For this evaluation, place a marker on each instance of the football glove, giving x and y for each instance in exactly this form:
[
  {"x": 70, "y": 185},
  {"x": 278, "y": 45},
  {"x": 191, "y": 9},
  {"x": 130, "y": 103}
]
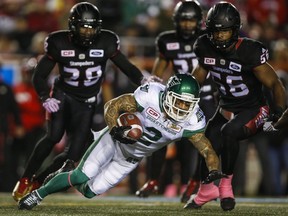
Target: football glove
[
  {"x": 151, "y": 78},
  {"x": 213, "y": 176},
  {"x": 268, "y": 126},
  {"x": 117, "y": 133},
  {"x": 51, "y": 105},
  {"x": 282, "y": 121},
  {"x": 276, "y": 114}
]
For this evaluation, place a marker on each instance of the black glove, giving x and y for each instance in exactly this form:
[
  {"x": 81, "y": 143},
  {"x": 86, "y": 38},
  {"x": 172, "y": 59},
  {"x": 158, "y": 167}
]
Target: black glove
[
  {"x": 214, "y": 175},
  {"x": 278, "y": 111},
  {"x": 117, "y": 133}
]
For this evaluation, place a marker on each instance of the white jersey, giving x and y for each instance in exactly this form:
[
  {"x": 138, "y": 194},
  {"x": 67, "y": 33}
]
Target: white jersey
[
  {"x": 158, "y": 130},
  {"x": 107, "y": 161}
]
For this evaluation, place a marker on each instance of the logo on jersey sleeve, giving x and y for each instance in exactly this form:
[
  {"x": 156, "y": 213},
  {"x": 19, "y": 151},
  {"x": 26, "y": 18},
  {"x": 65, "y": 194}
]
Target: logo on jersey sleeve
[
  {"x": 235, "y": 67},
  {"x": 209, "y": 61},
  {"x": 68, "y": 53},
  {"x": 96, "y": 53},
  {"x": 199, "y": 115},
  {"x": 150, "y": 111},
  {"x": 173, "y": 46}
]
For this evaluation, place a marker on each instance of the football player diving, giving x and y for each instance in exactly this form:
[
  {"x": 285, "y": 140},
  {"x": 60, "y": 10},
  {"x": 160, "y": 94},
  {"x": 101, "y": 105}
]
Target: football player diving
[{"x": 167, "y": 113}]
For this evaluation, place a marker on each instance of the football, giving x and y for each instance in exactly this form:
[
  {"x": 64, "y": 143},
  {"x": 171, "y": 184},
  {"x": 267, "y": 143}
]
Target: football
[{"x": 130, "y": 119}]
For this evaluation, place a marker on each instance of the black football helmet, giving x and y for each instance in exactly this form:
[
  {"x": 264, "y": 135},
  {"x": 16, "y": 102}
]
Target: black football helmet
[
  {"x": 185, "y": 88},
  {"x": 187, "y": 10},
  {"x": 85, "y": 15},
  {"x": 223, "y": 16}
]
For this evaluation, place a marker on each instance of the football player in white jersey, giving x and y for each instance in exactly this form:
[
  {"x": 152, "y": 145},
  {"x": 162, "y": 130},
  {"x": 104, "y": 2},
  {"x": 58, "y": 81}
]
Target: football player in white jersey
[{"x": 167, "y": 113}]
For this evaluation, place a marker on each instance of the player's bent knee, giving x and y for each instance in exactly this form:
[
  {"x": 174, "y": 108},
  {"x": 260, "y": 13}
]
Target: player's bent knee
[
  {"x": 232, "y": 130},
  {"x": 88, "y": 193},
  {"x": 78, "y": 177},
  {"x": 85, "y": 190}
]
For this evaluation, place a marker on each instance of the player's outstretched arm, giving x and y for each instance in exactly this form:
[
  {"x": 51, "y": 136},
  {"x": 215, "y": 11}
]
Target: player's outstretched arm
[
  {"x": 203, "y": 145},
  {"x": 114, "y": 107}
]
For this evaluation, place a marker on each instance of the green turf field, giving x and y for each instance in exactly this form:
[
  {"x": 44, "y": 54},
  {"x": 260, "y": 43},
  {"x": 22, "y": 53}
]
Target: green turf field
[{"x": 74, "y": 204}]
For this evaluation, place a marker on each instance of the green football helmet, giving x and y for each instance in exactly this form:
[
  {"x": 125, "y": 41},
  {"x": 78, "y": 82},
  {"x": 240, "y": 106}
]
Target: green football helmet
[{"x": 181, "y": 96}]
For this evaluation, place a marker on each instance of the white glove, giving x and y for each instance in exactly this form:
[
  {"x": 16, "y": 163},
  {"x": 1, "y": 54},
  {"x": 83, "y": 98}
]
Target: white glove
[
  {"x": 268, "y": 126},
  {"x": 151, "y": 78},
  {"x": 51, "y": 105}
]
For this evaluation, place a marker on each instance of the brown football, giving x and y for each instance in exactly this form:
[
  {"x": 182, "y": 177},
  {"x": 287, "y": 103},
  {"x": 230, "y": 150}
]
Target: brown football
[{"x": 130, "y": 119}]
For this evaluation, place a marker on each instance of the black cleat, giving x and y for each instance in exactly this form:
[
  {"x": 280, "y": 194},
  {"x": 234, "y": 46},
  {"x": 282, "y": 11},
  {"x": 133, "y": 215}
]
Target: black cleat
[
  {"x": 191, "y": 203},
  {"x": 227, "y": 204},
  {"x": 148, "y": 188},
  {"x": 29, "y": 201},
  {"x": 191, "y": 188},
  {"x": 67, "y": 166},
  {"x": 213, "y": 176}
]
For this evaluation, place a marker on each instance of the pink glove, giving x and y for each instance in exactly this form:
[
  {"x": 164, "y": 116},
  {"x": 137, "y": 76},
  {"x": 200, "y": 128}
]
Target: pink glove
[{"x": 51, "y": 105}]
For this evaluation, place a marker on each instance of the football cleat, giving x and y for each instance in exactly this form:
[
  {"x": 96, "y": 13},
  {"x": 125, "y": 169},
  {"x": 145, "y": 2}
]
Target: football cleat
[
  {"x": 148, "y": 188},
  {"x": 30, "y": 201},
  {"x": 35, "y": 184},
  {"x": 191, "y": 188},
  {"x": 24, "y": 186},
  {"x": 227, "y": 200},
  {"x": 67, "y": 166},
  {"x": 213, "y": 176},
  {"x": 191, "y": 203},
  {"x": 227, "y": 204},
  {"x": 205, "y": 194}
]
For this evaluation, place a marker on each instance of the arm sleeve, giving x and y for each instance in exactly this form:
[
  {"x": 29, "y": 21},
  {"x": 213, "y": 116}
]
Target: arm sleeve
[
  {"x": 41, "y": 73},
  {"x": 131, "y": 71}
]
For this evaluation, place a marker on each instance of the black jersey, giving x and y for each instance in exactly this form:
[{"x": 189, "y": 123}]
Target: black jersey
[
  {"x": 177, "y": 50},
  {"x": 233, "y": 72},
  {"x": 81, "y": 70},
  {"x": 180, "y": 52}
]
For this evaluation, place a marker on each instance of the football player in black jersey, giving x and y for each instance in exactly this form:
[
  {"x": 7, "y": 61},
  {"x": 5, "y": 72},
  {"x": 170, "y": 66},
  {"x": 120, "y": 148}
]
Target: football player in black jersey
[
  {"x": 240, "y": 69},
  {"x": 176, "y": 47},
  {"x": 81, "y": 54}
]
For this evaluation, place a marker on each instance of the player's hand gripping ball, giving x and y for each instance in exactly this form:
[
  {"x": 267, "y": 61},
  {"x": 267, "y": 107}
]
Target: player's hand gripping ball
[{"x": 130, "y": 119}]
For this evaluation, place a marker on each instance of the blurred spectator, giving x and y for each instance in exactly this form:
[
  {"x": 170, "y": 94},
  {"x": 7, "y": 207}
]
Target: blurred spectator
[
  {"x": 33, "y": 119},
  {"x": 9, "y": 114},
  {"x": 240, "y": 179},
  {"x": 39, "y": 18},
  {"x": 36, "y": 47},
  {"x": 267, "y": 11},
  {"x": 8, "y": 45},
  {"x": 278, "y": 148}
]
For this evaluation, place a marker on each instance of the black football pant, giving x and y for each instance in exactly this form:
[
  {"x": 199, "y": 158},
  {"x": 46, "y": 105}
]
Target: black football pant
[
  {"x": 74, "y": 118},
  {"x": 225, "y": 136}
]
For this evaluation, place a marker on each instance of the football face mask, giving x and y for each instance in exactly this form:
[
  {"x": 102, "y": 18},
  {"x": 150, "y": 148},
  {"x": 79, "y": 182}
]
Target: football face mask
[{"x": 181, "y": 97}]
